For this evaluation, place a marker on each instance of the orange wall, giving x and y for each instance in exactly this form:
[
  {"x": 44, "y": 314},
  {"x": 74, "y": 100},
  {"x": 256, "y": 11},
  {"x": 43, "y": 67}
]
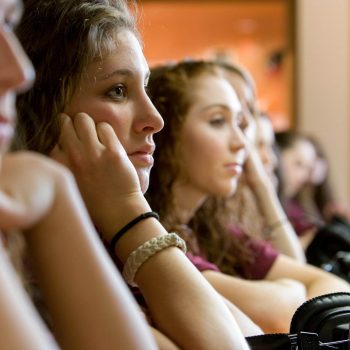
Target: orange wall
[{"x": 247, "y": 32}]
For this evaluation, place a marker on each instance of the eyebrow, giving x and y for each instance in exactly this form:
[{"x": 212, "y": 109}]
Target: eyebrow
[
  {"x": 216, "y": 105},
  {"x": 122, "y": 72}
]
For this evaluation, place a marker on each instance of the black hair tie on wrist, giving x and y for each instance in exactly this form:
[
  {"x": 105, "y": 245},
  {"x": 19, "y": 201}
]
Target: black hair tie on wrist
[{"x": 129, "y": 225}]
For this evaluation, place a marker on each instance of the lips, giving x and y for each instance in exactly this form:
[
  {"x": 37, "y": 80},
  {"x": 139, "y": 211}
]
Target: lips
[
  {"x": 234, "y": 168},
  {"x": 142, "y": 156}
]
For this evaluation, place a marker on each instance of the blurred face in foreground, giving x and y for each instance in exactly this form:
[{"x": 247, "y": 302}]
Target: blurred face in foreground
[{"x": 16, "y": 71}]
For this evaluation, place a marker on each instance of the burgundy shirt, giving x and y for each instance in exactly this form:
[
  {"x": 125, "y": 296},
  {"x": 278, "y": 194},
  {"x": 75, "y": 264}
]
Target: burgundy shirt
[
  {"x": 263, "y": 257},
  {"x": 299, "y": 219}
]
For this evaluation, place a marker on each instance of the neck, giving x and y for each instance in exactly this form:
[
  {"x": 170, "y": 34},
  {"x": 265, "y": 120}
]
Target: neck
[{"x": 187, "y": 201}]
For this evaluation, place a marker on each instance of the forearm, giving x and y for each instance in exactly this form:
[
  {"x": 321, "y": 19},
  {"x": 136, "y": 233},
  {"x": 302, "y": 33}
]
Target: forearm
[
  {"x": 315, "y": 280},
  {"x": 327, "y": 284},
  {"x": 272, "y": 313},
  {"x": 247, "y": 326},
  {"x": 88, "y": 301},
  {"x": 183, "y": 305},
  {"x": 283, "y": 236},
  {"x": 21, "y": 327}
]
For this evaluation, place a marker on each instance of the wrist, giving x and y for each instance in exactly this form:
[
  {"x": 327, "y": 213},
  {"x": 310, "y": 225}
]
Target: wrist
[{"x": 121, "y": 213}]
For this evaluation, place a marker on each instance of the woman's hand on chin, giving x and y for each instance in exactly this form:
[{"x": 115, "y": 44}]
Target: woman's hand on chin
[{"x": 106, "y": 178}]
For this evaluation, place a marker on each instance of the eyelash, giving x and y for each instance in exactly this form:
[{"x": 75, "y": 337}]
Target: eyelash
[
  {"x": 111, "y": 93},
  {"x": 217, "y": 121}
]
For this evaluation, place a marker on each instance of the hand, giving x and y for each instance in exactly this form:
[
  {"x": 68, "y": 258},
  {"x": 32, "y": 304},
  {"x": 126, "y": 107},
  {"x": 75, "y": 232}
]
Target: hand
[
  {"x": 106, "y": 178},
  {"x": 27, "y": 189},
  {"x": 254, "y": 169}
]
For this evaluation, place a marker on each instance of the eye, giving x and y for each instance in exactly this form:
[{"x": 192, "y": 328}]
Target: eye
[
  {"x": 118, "y": 92},
  {"x": 217, "y": 120}
]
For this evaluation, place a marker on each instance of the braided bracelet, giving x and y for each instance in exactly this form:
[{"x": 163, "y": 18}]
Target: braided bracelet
[
  {"x": 129, "y": 225},
  {"x": 139, "y": 256}
]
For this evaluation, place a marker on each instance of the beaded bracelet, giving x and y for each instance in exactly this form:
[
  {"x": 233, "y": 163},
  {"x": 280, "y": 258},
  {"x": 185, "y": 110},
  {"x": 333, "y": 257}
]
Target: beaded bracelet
[
  {"x": 140, "y": 255},
  {"x": 129, "y": 225}
]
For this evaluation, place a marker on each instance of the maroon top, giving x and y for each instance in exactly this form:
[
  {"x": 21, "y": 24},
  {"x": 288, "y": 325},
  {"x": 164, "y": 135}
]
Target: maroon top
[
  {"x": 263, "y": 257},
  {"x": 298, "y": 217}
]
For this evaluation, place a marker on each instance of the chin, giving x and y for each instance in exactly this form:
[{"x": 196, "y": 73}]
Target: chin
[
  {"x": 143, "y": 175},
  {"x": 227, "y": 191}
]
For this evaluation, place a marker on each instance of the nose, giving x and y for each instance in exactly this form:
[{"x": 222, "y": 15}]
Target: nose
[
  {"x": 149, "y": 120},
  {"x": 268, "y": 157},
  {"x": 237, "y": 140},
  {"x": 17, "y": 73}
]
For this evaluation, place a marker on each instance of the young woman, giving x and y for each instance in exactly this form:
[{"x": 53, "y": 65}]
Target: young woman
[
  {"x": 256, "y": 204},
  {"x": 89, "y": 110},
  {"x": 88, "y": 300},
  {"x": 317, "y": 195},
  {"x": 297, "y": 158},
  {"x": 201, "y": 154}
]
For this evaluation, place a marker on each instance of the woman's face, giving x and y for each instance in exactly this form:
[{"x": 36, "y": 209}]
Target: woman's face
[
  {"x": 297, "y": 162},
  {"x": 265, "y": 140},
  {"x": 212, "y": 143},
  {"x": 16, "y": 71},
  {"x": 113, "y": 91}
]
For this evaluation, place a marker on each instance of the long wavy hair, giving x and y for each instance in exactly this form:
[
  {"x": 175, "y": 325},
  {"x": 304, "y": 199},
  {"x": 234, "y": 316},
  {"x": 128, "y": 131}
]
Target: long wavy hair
[
  {"x": 170, "y": 89},
  {"x": 62, "y": 37}
]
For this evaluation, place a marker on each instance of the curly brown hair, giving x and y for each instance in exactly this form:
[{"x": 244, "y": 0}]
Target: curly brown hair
[
  {"x": 62, "y": 37},
  {"x": 171, "y": 91}
]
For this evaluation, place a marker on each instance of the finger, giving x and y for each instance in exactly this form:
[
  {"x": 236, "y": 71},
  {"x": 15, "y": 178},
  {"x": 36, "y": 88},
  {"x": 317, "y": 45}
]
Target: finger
[
  {"x": 86, "y": 129},
  {"x": 108, "y": 137},
  {"x": 68, "y": 138}
]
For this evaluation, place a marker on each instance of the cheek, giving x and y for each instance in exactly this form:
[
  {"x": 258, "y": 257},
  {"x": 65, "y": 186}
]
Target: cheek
[
  {"x": 200, "y": 150},
  {"x": 102, "y": 112}
]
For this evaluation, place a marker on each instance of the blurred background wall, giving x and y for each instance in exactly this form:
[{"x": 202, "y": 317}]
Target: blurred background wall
[
  {"x": 297, "y": 51},
  {"x": 323, "y": 77}
]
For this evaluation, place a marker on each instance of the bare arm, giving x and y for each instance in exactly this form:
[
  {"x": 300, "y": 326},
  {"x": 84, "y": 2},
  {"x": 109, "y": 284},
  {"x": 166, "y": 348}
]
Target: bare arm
[
  {"x": 248, "y": 327},
  {"x": 21, "y": 327},
  {"x": 183, "y": 305},
  {"x": 270, "y": 305},
  {"x": 283, "y": 236},
  {"x": 89, "y": 303},
  {"x": 315, "y": 280}
]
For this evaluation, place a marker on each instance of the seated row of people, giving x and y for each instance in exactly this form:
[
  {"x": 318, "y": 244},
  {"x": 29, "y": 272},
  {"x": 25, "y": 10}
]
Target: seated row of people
[{"x": 88, "y": 110}]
